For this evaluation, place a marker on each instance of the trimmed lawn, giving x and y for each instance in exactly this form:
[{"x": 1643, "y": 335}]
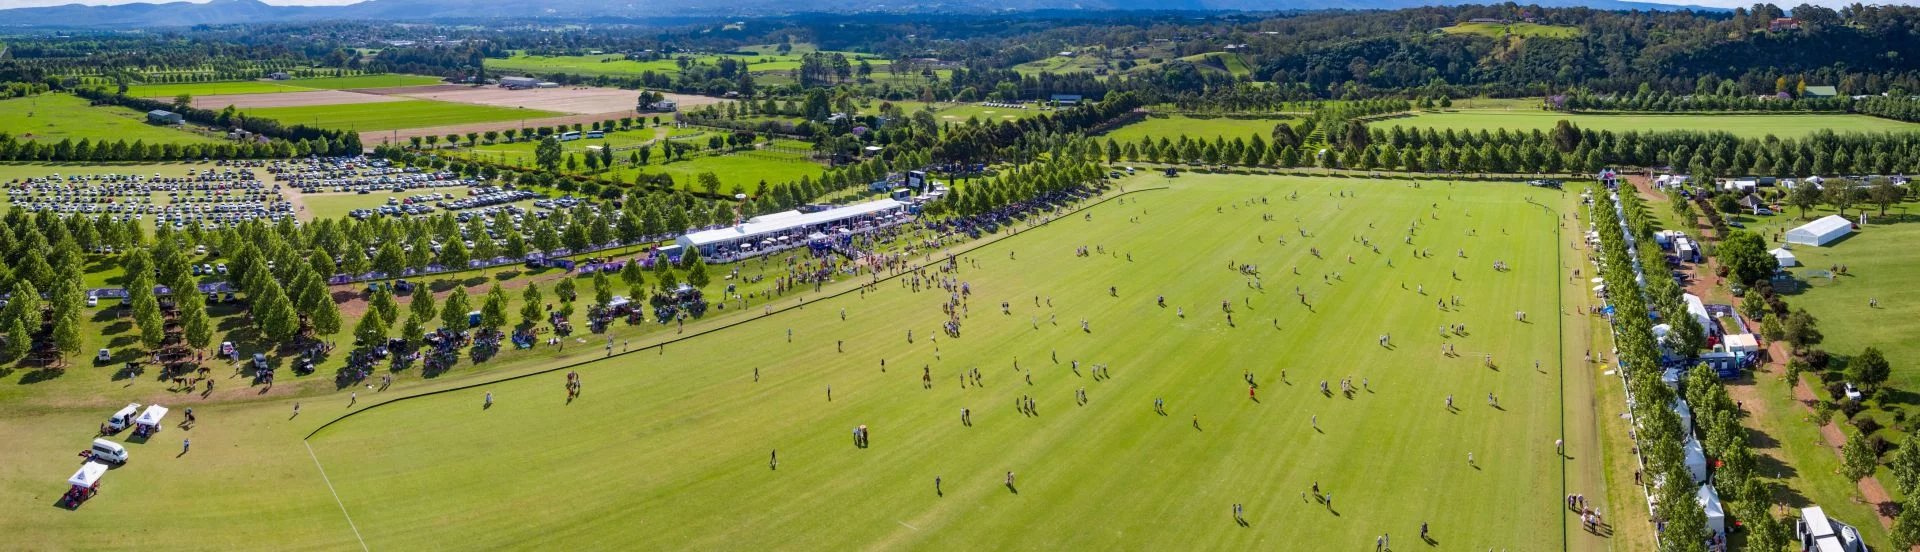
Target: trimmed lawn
[
  {"x": 271, "y": 86},
  {"x": 684, "y": 433},
  {"x": 747, "y": 168},
  {"x": 51, "y": 118},
  {"x": 393, "y": 115},
  {"x": 1207, "y": 128},
  {"x": 213, "y": 88},
  {"x": 1528, "y": 118},
  {"x": 1112, "y": 459}
]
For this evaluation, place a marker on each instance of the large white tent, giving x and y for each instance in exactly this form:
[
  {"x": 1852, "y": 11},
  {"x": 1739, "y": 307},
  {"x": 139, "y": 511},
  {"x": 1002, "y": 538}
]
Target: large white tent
[
  {"x": 1785, "y": 257},
  {"x": 1820, "y": 232},
  {"x": 1709, "y": 500}
]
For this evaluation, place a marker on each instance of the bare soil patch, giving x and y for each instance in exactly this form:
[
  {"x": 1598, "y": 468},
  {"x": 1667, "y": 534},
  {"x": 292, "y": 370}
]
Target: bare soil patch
[{"x": 581, "y": 100}]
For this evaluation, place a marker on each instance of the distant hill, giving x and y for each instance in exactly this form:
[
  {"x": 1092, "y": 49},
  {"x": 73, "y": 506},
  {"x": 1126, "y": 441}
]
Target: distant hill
[{"x": 175, "y": 14}]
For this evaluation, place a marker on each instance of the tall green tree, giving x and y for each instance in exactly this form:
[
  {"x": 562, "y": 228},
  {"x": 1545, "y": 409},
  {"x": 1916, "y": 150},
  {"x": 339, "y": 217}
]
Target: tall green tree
[{"x": 453, "y": 314}]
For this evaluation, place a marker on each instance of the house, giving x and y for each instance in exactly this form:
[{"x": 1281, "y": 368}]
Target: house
[
  {"x": 1821, "y": 232},
  {"x": 279, "y": 75},
  {"x": 519, "y": 83},
  {"x": 1783, "y": 24},
  {"x": 1066, "y": 99},
  {"x": 164, "y": 117},
  {"x": 1821, "y": 92}
]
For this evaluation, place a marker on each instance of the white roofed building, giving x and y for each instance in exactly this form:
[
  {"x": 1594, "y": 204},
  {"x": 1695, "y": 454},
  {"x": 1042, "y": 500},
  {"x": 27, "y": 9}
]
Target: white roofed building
[{"x": 787, "y": 229}]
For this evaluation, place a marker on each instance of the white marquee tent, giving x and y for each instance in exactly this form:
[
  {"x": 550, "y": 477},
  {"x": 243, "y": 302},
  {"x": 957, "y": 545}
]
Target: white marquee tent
[
  {"x": 1785, "y": 257},
  {"x": 1709, "y": 499},
  {"x": 1820, "y": 232},
  {"x": 1696, "y": 460}
]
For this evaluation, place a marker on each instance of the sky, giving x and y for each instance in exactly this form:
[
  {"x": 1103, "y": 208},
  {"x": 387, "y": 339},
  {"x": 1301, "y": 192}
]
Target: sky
[{"x": 1716, "y": 3}]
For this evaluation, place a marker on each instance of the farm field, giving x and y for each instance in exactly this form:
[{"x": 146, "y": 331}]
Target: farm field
[
  {"x": 1174, "y": 126},
  {"x": 746, "y": 169},
  {"x": 617, "y": 65},
  {"x": 394, "y": 115},
  {"x": 1523, "y": 29},
  {"x": 692, "y": 429},
  {"x": 1748, "y": 126},
  {"x": 270, "y": 87},
  {"x": 56, "y": 117}
]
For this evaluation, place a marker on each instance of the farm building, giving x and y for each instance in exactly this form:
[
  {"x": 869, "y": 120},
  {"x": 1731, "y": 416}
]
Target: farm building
[
  {"x": 164, "y": 117},
  {"x": 1066, "y": 99},
  {"x": 519, "y": 83},
  {"x": 1820, "y": 232},
  {"x": 777, "y": 231},
  {"x": 1821, "y": 92}
]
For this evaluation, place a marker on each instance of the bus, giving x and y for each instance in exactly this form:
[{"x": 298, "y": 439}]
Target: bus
[{"x": 570, "y": 136}]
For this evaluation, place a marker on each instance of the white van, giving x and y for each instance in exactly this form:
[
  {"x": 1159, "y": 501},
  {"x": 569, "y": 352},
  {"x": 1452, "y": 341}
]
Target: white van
[
  {"x": 123, "y": 418},
  {"x": 107, "y": 452}
]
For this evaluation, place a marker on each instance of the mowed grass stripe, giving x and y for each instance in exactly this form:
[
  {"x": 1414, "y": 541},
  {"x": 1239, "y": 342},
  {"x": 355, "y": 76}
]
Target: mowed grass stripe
[
  {"x": 673, "y": 447},
  {"x": 393, "y": 115}
]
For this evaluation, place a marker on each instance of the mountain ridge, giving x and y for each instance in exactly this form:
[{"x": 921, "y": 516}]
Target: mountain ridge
[{"x": 219, "y": 12}]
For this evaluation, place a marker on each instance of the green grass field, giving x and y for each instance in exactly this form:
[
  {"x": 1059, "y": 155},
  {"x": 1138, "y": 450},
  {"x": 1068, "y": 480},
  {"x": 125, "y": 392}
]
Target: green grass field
[
  {"x": 678, "y": 440},
  {"x": 1749, "y": 126},
  {"x": 270, "y": 87},
  {"x": 692, "y": 429},
  {"x": 54, "y": 117},
  {"x": 394, "y": 115},
  {"x": 1224, "y": 61},
  {"x": 747, "y": 169},
  {"x": 1522, "y": 29},
  {"x": 1208, "y": 128},
  {"x": 1879, "y": 266}
]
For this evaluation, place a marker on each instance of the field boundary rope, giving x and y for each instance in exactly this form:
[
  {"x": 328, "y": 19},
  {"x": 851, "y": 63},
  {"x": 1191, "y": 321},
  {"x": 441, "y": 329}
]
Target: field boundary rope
[{"x": 974, "y": 247}]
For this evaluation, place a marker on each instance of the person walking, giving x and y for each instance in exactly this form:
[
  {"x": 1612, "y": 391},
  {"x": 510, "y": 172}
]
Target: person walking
[
  {"x": 185, "y": 444},
  {"x": 489, "y": 401},
  {"x": 773, "y": 459}
]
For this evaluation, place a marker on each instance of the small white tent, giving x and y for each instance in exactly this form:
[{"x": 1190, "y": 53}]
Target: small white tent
[
  {"x": 1696, "y": 460},
  {"x": 89, "y": 475},
  {"x": 1785, "y": 257},
  {"x": 1820, "y": 232},
  {"x": 1709, "y": 500}
]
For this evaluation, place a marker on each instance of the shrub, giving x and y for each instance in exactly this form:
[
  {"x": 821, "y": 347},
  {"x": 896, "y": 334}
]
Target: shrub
[
  {"x": 1850, "y": 409},
  {"x": 1866, "y": 424}
]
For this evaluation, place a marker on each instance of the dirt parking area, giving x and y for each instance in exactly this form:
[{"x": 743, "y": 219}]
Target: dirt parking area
[
  {"x": 578, "y": 100},
  {"x": 290, "y": 99}
]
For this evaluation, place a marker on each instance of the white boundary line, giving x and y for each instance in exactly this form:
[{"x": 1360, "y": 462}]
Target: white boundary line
[{"x": 336, "y": 496}]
